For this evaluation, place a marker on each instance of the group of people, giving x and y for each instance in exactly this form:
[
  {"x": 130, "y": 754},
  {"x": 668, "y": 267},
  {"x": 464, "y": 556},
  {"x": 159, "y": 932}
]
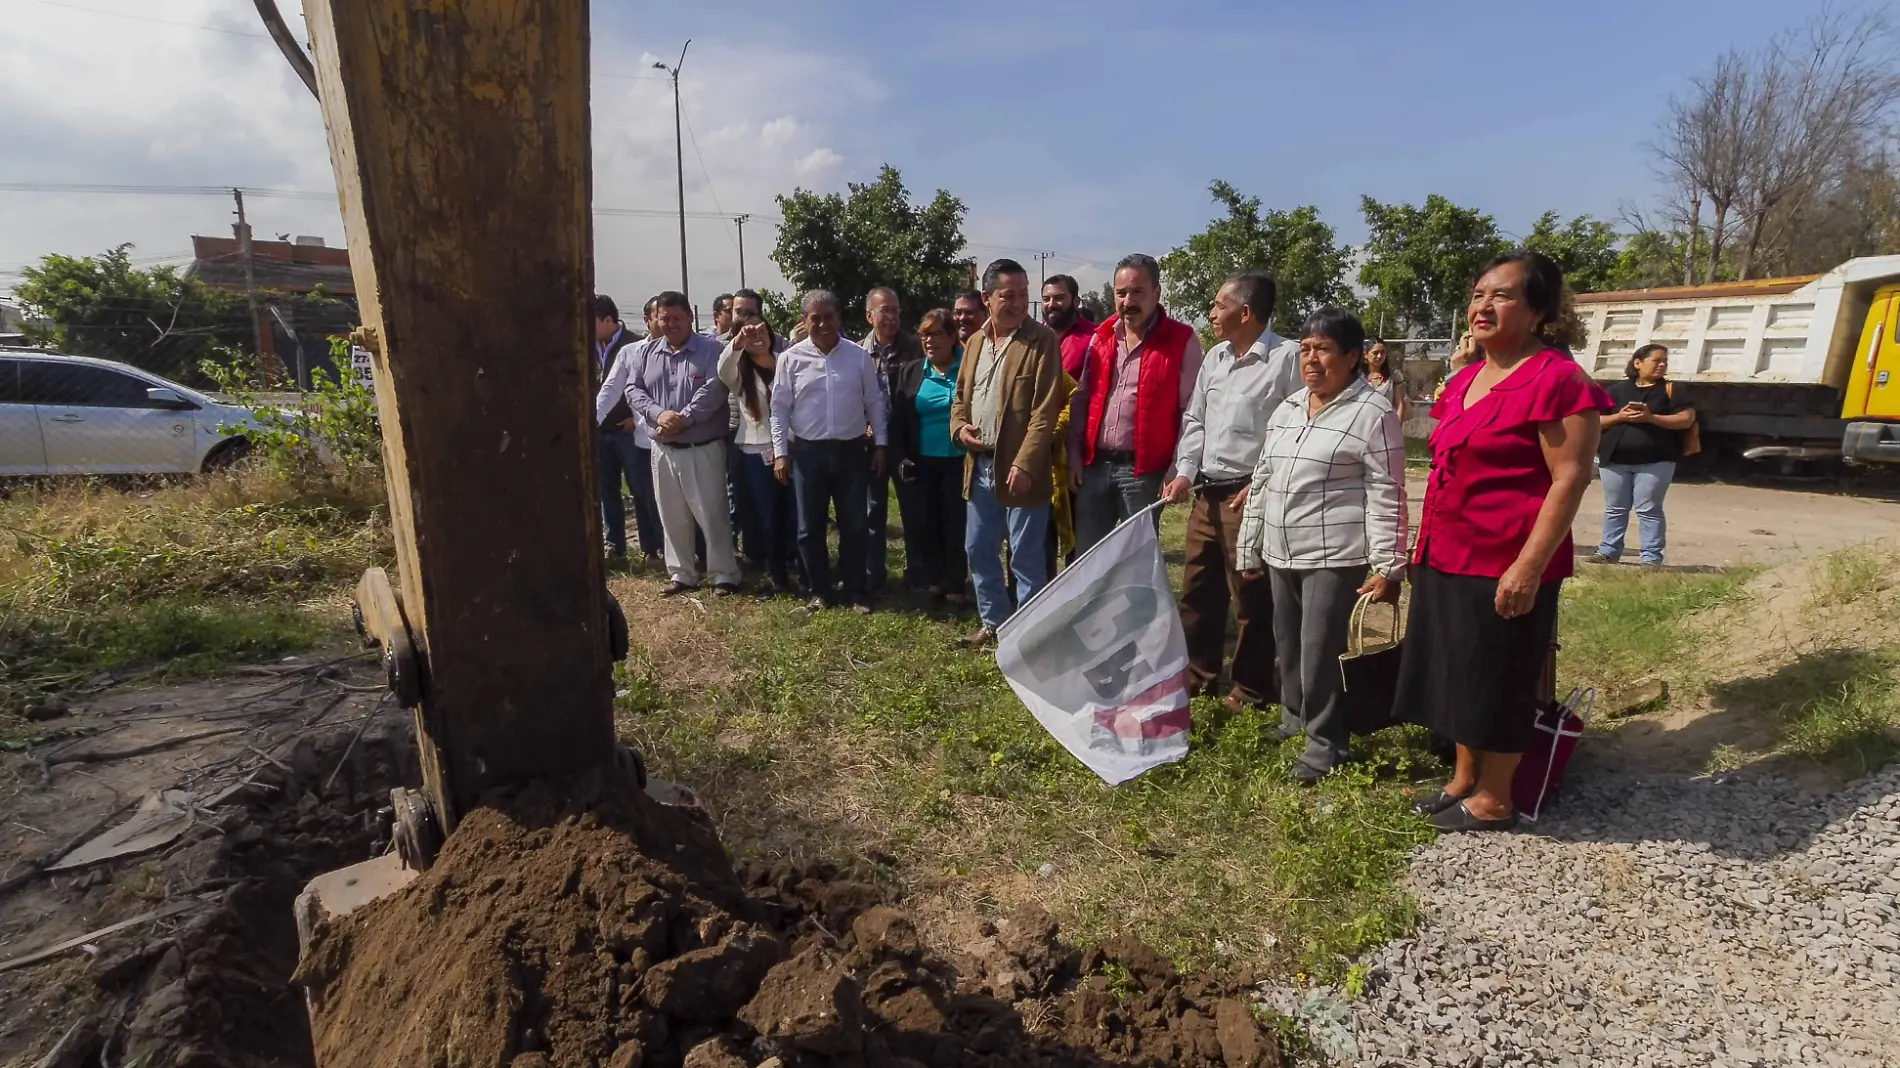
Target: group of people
[{"x": 1015, "y": 444}]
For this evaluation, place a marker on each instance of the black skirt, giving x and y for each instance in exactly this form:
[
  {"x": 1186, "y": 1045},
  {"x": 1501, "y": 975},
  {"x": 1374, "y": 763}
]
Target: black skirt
[{"x": 1468, "y": 673}]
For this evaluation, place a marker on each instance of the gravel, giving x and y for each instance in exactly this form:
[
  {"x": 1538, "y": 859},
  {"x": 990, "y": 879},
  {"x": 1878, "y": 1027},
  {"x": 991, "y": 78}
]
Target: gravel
[{"x": 1729, "y": 922}]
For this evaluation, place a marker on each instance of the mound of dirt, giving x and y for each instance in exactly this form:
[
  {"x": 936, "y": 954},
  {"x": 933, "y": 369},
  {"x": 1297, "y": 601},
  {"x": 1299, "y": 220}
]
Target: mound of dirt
[{"x": 587, "y": 925}]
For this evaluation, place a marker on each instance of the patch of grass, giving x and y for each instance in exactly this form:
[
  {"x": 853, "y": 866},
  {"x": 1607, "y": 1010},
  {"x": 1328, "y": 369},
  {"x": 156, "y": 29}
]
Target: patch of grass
[
  {"x": 1618, "y": 625},
  {"x": 1857, "y": 727},
  {"x": 174, "y": 578},
  {"x": 878, "y": 736},
  {"x": 1841, "y": 578}
]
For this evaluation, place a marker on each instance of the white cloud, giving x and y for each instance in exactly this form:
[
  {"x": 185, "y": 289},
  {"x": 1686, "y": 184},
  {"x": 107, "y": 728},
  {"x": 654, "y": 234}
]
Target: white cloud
[
  {"x": 818, "y": 159},
  {"x": 98, "y": 99}
]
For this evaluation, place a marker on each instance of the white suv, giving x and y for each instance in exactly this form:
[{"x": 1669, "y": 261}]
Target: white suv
[{"x": 71, "y": 415}]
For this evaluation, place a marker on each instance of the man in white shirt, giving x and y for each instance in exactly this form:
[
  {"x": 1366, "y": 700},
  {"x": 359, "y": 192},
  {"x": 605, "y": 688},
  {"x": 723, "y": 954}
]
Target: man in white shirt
[
  {"x": 825, "y": 395},
  {"x": 1239, "y": 385}
]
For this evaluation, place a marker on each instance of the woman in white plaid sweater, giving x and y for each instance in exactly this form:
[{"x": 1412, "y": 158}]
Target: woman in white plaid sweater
[{"x": 1325, "y": 516}]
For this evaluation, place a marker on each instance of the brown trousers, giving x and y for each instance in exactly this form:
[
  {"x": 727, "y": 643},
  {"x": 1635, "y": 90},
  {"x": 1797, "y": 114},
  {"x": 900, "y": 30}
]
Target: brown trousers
[{"x": 1209, "y": 586}]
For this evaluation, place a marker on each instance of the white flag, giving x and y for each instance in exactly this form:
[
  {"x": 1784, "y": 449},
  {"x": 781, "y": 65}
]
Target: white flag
[{"x": 1100, "y": 658}]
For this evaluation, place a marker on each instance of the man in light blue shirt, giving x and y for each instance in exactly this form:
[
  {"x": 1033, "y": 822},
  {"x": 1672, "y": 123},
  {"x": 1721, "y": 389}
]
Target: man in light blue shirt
[
  {"x": 825, "y": 396},
  {"x": 671, "y": 382}
]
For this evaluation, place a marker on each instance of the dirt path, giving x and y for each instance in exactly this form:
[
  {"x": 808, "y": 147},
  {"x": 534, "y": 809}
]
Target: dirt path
[{"x": 1713, "y": 524}]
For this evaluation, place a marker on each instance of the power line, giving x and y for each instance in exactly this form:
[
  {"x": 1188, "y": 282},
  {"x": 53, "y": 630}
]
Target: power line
[
  {"x": 219, "y": 191},
  {"x": 155, "y": 21},
  {"x": 714, "y": 193}
]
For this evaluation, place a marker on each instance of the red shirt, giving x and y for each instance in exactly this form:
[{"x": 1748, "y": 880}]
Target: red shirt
[
  {"x": 1488, "y": 478},
  {"x": 1075, "y": 346}
]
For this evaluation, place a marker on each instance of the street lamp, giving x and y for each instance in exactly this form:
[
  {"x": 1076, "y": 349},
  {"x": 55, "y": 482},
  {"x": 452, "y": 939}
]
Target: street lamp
[{"x": 679, "y": 158}]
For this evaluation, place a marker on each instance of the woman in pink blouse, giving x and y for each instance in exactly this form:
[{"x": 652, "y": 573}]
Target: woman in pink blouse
[{"x": 1510, "y": 461}]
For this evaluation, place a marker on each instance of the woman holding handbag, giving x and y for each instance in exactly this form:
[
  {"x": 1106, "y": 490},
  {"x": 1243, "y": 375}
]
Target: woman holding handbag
[
  {"x": 1510, "y": 461},
  {"x": 1643, "y": 439},
  {"x": 1326, "y": 505}
]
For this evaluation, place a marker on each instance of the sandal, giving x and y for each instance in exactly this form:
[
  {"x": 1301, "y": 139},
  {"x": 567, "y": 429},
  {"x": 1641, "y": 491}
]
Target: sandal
[
  {"x": 1432, "y": 806},
  {"x": 1459, "y": 818}
]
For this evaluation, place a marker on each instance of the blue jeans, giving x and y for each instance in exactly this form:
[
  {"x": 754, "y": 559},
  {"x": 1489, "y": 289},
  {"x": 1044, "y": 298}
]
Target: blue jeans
[
  {"x": 988, "y": 522},
  {"x": 617, "y": 457},
  {"x": 1110, "y": 493},
  {"x": 1640, "y": 486},
  {"x": 771, "y": 519},
  {"x": 825, "y": 475}
]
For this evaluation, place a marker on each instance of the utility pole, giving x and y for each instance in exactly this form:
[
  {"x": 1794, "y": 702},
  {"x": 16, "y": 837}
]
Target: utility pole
[
  {"x": 1044, "y": 257},
  {"x": 679, "y": 153},
  {"x": 243, "y": 232},
  {"x": 740, "y": 222}
]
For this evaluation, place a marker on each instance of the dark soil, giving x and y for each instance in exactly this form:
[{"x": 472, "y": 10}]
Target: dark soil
[
  {"x": 587, "y": 925},
  {"x": 215, "y": 991}
]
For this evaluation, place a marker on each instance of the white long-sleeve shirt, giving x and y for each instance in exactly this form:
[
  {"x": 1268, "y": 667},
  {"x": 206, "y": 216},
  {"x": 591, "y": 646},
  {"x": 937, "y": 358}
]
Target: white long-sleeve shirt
[
  {"x": 1225, "y": 423},
  {"x": 818, "y": 396},
  {"x": 1329, "y": 490},
  {"x": 753, "y": 434}
]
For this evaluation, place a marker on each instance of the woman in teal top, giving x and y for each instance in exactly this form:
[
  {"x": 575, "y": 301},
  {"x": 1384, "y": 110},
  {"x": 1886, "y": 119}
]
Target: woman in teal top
[{"x": 929, "y": 464}]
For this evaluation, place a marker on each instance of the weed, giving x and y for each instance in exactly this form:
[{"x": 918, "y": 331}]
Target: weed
[
  {"x": 1121, "y": 982},
  {"x": 1619, "y": 624},
  {"x": 1356, "y": 980},
  {"x": 1841, "y": 578},
  {"x": 1854, "y": 726}
]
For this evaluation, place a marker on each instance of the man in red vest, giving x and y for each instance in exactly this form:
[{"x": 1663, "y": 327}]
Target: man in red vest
[{"x": 1125, "y": 419}]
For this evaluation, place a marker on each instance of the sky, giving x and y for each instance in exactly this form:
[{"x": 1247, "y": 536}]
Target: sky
[{"x": 1083, "y": 130}]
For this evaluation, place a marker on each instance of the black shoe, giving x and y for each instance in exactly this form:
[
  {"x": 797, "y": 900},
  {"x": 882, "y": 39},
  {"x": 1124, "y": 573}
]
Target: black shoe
[
  {"x": 1307, "y": 775},
  {"x": 1459, "y": 818},
  {"x": 862, "y": 606},
  {"x": 1599, "y": 558},
  {"x": 725, "y": 589},
  {"x": 675, "y": 588},
  {"x": 1432, "y": 806}
]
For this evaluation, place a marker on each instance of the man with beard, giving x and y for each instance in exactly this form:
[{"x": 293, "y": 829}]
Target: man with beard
[
  {"x": 1062, "y": 311},
  {"x": 1126, "y": 417}
]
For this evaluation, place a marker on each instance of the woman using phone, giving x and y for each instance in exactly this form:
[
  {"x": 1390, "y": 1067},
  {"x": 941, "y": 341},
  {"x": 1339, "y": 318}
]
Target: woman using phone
[
  {"x": 1642, "y": 441},
  {"x": 770, "y": 533}
]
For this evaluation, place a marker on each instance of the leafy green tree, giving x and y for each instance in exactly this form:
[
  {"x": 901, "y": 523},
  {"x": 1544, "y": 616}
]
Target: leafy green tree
[
  {"x": 1098, "y": 305},
  {"x": 1301, "y": 252},
  {"x": 873, "y": 236},
  {"x": 1650, "y": 258},
  {"x": 1420, "y": 262},
  {"x": 156, "y": 319},
  {"x": 1584, "y": 247}
]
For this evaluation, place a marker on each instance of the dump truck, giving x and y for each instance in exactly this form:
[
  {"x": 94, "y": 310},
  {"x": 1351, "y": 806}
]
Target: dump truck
[{"x": 1780, "y": 370}]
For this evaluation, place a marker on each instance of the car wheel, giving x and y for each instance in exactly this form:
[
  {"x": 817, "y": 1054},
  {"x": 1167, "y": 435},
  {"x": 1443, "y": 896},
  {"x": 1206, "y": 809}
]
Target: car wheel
[{"x": 225, "y": 454}]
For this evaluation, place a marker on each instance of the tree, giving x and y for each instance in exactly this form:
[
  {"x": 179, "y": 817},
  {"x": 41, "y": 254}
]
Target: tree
[
  {"x": 1300, "y": 251},
  {"x": 1821, "y": 92},
  {"x": 1584, "y": 247},
  {"x": 1420, "y": 263},
  {"x": 873, "y": 236},
  {"x": 156, "y": 319},
  {"x": 1098, "y": 306},
  {"x": 1650, "y": 258}
]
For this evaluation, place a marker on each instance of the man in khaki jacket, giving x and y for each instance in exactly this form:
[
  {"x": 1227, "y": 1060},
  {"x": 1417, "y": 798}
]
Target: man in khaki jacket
[{"x": 1010, "y": 392}]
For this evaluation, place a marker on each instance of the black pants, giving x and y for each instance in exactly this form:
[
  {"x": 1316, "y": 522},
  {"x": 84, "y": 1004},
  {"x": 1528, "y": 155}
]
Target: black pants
[
  {"x": 877, "y": 517},
  {"x": 827, "y": 475},
  {"x": 934, "y": 511}
]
